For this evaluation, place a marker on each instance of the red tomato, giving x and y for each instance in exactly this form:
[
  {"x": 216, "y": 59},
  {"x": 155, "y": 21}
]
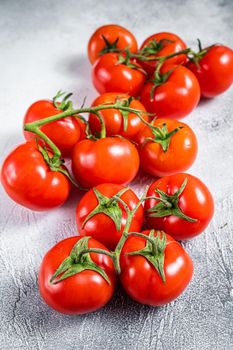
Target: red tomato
[
  {"x": 142, "y": 281},
  {"x": 195, "y": 201},
  {"x": 28, "y": 180},
  {"x": 117, "y": 38},
  {"x": 166, "y": 155},
  {"x": 83, "y": 292},
  {"x": 109, "y": 75},
  {"x": 103, "y": 225},
  {"x": 65, "y": 133},
  {"x": 214, "y": 70},
  {"x": 176, "y": 97},
  {"x": 162, "y": 44},
  {"x": 111, "y": 159},
  {"x": 114, "y": 120}
]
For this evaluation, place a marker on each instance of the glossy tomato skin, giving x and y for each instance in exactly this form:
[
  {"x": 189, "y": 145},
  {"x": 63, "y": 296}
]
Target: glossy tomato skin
[
  {"x": 180, "y": 155},
  {"x": 176, "y": 97},
  {"x": 108, "y": 75},
  {"x": 101, "y": 227},
  {"x": 195, "y": 201},
  {"x": 111, "y": 159},
  {"x": 113, "y": 118},
  {"x": 176, "y": 44},
  {"x": 28, "y": 180},
  {"x": 65, "y": 133},
  {"x": 111, "y": 32},
  {"x": 81, "y": 293},
  {"x": 141, "y": 280},
  {"x": 214, "y": 70}
]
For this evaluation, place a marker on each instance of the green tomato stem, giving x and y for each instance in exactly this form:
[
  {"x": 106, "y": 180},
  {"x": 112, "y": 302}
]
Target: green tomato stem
[
  {"x": 102, "y": 125},
  {"x": 161, "y": 58},
  {"x": 125, "y": 233},
  {"x": 93, "y": 250},
  {"x": 138, "y": 234},
  {"x": 32, "y": 127},
  {"x": 70, "y": 112}
]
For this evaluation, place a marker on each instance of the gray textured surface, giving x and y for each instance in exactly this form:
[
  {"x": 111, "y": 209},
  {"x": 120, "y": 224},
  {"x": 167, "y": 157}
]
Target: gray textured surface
[{"x": 43, "y": 49}]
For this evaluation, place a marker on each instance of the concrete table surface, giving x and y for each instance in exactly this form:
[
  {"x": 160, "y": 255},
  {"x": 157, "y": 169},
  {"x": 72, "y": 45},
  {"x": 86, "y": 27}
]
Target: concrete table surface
[{"x": 43, "y": 49}]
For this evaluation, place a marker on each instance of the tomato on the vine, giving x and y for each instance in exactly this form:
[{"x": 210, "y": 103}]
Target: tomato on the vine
[
  {"x": 175, "y": 96},
  {"x": 114, "y": 72},
  {"x": 65, "y": 133},
  {"x": 213, "y": 68},
  {"x": 181, "y": 205},
  {"x": 109, "y": 38},
  {"x": 162, "y": 44},
  {"x": 104, "y": 219},
  {"x": 126, "y": 124},
  {"x": 110, "y": 159},
  {"x": 76, "y": 284},
  {"x": 154, "y": 275},
  {"x": 168, "y": 147},
  {"x": 29, "y": 181}
]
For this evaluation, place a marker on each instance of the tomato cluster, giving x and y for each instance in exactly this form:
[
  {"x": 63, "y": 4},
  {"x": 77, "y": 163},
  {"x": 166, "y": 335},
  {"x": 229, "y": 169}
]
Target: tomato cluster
[{"x": 132, "y": 124}]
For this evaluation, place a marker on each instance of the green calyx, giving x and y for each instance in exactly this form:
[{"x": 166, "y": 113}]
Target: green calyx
[
  {"x": 153, "y": 251},
  {"x": 124, "y": 103},
  {"x": 126, "y": 58},
  {"x": 197, "y": 56},
  {"x": 109, "y": 47},
  {"x": 159, "y": 78},
  {"x": 162, "y": 136},
  {"x": 55, "y": 163},
  {"x": 107, "y": 206},
  {"x": 154, "y": 46},
  {"x": 79, "y": 260},
  {"x": 65, "y": 103},
  {"x": 169, "y": 205}
]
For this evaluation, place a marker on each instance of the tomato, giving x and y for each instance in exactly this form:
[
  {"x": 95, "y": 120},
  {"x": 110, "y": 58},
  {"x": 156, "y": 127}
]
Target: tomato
[
  {"x": 162, "y": 44},
  {"x": 111, "y": 159},
  {"x": 213, "y": 69},
  {"x": 110, "y": 75},
  {"x": 117, "y": 37},
  {"x": 65, "y": 133},
  {"x": 176, "y": 97},
  {"x": 102, "y": 221},
  {"x": 115, "y": 122},
  {"x": 143, "y": 282},
  {"x": 82, "y": 292},
  {"x": 28, "y": 180},
  {"x": 169, "y": 148},
  {"x": 189, "y": 210}
]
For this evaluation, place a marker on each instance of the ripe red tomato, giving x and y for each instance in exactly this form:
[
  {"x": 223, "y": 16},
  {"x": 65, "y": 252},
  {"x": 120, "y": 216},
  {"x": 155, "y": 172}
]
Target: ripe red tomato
[
  {"x": 195, "y": 202},
  {"x": 84, "y": 291},
  {"x": 115, "y": 122},
  {"x": 115, "y": 37},
  {"x": 110, "y": 75},
  {"x": 142, "y": 281},
  {"x": 65, "y": 133},
  {"x": 214, "y": 70},
  {"x": 111, "y": 159},
  {"x": 176, "y": 97},
  {"x": 28, "y": 180},
  {"x": 165, "y": 153},
  {"x": 104, "y": 222},
  {"x": 162, "y": 44}
]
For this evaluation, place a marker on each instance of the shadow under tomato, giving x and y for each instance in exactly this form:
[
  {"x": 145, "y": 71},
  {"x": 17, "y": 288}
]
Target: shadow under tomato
[{"x": 204, "y": 101}]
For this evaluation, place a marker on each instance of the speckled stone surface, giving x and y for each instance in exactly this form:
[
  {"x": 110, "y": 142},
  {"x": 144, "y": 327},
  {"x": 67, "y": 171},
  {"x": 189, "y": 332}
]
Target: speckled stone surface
[{"x": 43, "y": 49}]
